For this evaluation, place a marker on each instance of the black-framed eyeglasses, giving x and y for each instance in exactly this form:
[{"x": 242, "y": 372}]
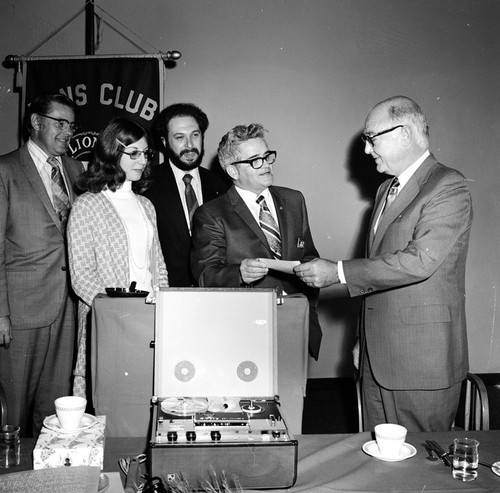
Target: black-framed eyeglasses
[
  {"x": 257, "y": 162},
  {"x": 136, "y": 153},
  {"x": 62, "y": 124},
  {"x": 369, "y": 138}
]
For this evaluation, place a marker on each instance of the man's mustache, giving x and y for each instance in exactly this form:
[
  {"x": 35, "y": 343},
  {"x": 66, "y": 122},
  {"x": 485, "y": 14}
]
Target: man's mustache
[{"x": 185, "y": 151}]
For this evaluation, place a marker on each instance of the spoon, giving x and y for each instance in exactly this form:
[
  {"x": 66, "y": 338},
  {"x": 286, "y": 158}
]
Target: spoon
[{"x": 430, "y": 456}]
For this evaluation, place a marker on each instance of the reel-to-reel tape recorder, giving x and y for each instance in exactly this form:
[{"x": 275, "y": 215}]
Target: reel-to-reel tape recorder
[{"x": 215, "y": 405}]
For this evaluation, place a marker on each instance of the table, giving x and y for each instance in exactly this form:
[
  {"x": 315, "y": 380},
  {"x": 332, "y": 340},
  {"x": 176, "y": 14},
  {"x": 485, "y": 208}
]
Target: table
[
  {"x": 122, "y": 362},
  {"x": 336, "y": 463}
]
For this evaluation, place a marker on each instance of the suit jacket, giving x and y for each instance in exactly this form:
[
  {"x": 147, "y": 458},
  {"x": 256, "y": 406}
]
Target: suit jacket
[
  {"x": 172, "y": 227},
  {"x": 413, "y": 320},
  {"x": 225, "y": 233},
  {"x": 33, "y": 261}
]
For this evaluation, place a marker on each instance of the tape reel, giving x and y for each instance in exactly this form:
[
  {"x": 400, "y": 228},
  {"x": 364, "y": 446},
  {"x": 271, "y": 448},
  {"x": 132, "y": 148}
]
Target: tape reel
[
  {"x": 184, "y": 371},
  {"x": 247, "y": 371}
]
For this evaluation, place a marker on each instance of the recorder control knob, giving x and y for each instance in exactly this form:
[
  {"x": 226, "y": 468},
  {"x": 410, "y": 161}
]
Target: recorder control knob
[
  {"x": 191, "y": 436},
  {"x": 276, "y": 434},
  {"x": 172, "y": 436},
  {"x": 215, "y": 435}
]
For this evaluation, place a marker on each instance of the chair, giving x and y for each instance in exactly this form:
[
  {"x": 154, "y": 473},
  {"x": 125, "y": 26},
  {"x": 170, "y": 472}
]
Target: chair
[
  {"x": 3, "y": 406},
  {"x": 492, "y": 383},
  {"x": 473, "y": 411}
]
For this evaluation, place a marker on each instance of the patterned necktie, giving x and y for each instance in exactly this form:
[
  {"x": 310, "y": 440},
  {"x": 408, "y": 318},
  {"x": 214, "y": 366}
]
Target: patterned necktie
[
  {"x": 392, "y": 193},
  {"x": 59, "y": 192},
  {"x": 191, "y": 201},
  {"x": 270, "y": 227}
]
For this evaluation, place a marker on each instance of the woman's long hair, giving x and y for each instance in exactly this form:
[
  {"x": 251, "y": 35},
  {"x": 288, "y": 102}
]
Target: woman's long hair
[{"x": 104, "y": 170}]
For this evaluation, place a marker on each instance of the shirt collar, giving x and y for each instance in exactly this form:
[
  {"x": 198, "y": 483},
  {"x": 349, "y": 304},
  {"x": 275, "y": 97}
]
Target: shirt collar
[
  {"x": 251, "y": 196},
  {"x": 405, "y": 176},
  {"x": 39, "y": 155},
  {"x": 179, "y": 173}
]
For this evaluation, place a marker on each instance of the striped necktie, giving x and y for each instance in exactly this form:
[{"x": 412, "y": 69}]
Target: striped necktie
[
  {"x": 270, "y": 227},
  {"x": 191, "y": 200},
  {"x": 59, "y": 193}
]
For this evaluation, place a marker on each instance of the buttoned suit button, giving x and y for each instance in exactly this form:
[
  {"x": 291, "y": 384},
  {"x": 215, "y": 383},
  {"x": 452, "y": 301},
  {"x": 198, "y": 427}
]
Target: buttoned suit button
[{"x": 63, "y": 268}]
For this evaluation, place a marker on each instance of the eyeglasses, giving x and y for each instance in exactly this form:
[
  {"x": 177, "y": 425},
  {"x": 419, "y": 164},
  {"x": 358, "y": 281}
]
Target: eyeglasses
[
  {"x": 136, "y": 153},
  {"x": 257, "y": 162},
  {"x": 62, "y": 124},
  {"x": 369, "y": 138}
]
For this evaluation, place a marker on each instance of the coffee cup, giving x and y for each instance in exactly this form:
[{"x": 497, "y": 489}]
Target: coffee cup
[
  {"x": 390, "y": 438},
  {"x": 69, "y": 411}
]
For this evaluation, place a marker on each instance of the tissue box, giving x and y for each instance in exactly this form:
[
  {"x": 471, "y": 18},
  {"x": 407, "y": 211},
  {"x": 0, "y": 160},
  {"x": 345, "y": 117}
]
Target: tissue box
[{"x": 83, "y": 448}]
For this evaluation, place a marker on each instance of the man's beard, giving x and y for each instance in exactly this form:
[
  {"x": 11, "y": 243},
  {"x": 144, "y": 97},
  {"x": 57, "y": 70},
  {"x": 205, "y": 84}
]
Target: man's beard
[{"x": 176, "y": 160}]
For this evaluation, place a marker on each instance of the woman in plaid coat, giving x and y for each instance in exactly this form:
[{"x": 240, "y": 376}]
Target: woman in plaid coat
[{"x": 112, "y": 234}]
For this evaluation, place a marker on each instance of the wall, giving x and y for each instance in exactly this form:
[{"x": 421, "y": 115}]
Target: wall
[{"x": 310, "y": 70}]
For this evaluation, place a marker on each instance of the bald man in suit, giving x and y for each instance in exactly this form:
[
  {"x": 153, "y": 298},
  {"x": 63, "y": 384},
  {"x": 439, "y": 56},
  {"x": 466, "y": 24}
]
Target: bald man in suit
[
  {"x": 37, "y": 317},
  {"x": 413, "y": 337},
  {"x": 228, "y": 239}
]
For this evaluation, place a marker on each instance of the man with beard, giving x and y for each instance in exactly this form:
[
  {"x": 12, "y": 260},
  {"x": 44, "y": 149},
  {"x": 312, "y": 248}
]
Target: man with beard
[
  {"x": 181, "y": 185},
  {"x": 37, "y": 316}
]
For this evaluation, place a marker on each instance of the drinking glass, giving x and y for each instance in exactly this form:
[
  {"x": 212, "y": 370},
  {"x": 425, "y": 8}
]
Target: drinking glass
[
  {"x": 10, "y": 454},
  {"x": 465, "y": 458}
]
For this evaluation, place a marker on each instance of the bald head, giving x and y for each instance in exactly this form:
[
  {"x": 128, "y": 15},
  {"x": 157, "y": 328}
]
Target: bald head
[
  {"x": 396, "y": 134},
  {"x": 401, "y": 110}
]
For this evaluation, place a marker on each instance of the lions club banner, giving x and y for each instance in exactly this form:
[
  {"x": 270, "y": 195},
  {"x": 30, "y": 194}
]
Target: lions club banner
[{"x": 102, "y": 88}]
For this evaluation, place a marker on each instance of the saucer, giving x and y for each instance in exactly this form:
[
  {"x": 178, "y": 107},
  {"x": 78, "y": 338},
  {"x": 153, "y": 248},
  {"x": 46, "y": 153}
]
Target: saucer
[
  {"x": 407, "y": 451},
  {"x": 52, "y": 423},
  {"x": 496, "y": 468}
]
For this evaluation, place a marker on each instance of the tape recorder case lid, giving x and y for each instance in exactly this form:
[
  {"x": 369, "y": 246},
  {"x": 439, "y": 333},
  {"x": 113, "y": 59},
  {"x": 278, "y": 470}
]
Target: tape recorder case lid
[{"x": 215, "y": 342}]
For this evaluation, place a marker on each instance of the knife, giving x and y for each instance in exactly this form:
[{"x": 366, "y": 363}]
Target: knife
[{"x": 444, "y": 456}]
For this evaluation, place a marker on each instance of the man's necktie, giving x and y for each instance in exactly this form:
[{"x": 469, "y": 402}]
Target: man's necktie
[
  {"x": 270, "y": 227},
  {"x": 392, "y": 193},
  {"x": 59, "y": 192},
  {"x": 191, "y": 201}
]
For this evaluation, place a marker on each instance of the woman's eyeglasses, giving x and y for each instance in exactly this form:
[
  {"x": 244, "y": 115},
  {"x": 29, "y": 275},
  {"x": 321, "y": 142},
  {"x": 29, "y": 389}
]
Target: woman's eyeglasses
[{"x": 136, "y": 153}]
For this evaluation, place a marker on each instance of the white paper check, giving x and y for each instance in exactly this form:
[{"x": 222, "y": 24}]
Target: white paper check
[{"x": 281, "y": 265}]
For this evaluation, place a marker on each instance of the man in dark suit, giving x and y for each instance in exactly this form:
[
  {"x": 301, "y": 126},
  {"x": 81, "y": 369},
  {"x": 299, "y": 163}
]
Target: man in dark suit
[
  {"x": 413, "y": 331},
  {"x": 179, "y": 133},
  {"x": 37, "y": 316},
  {"x": 229, "y": 238}
]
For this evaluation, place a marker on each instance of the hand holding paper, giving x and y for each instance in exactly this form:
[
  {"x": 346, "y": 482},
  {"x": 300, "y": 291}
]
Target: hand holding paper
[
  {"x": 281, "y": 265},
  {"x": 318, "y": 273}
]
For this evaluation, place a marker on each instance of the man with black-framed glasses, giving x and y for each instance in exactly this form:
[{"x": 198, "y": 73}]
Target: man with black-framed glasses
[
  {"x": 413, "y": 339},
  {"x": 254, "y": 220},
  {"x": 37, "y": 313}
]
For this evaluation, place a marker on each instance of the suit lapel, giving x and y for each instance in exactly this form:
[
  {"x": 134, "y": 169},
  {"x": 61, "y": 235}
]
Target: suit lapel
[
  {"x": 243, "y": 211},
  {"x": 36, "y": 182},
  {"x": 173, "y": 204},
  {"x": 404, "y": 198},
  {"x": 69, "y": 177},
  {"x": 379, "y": 201}
]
